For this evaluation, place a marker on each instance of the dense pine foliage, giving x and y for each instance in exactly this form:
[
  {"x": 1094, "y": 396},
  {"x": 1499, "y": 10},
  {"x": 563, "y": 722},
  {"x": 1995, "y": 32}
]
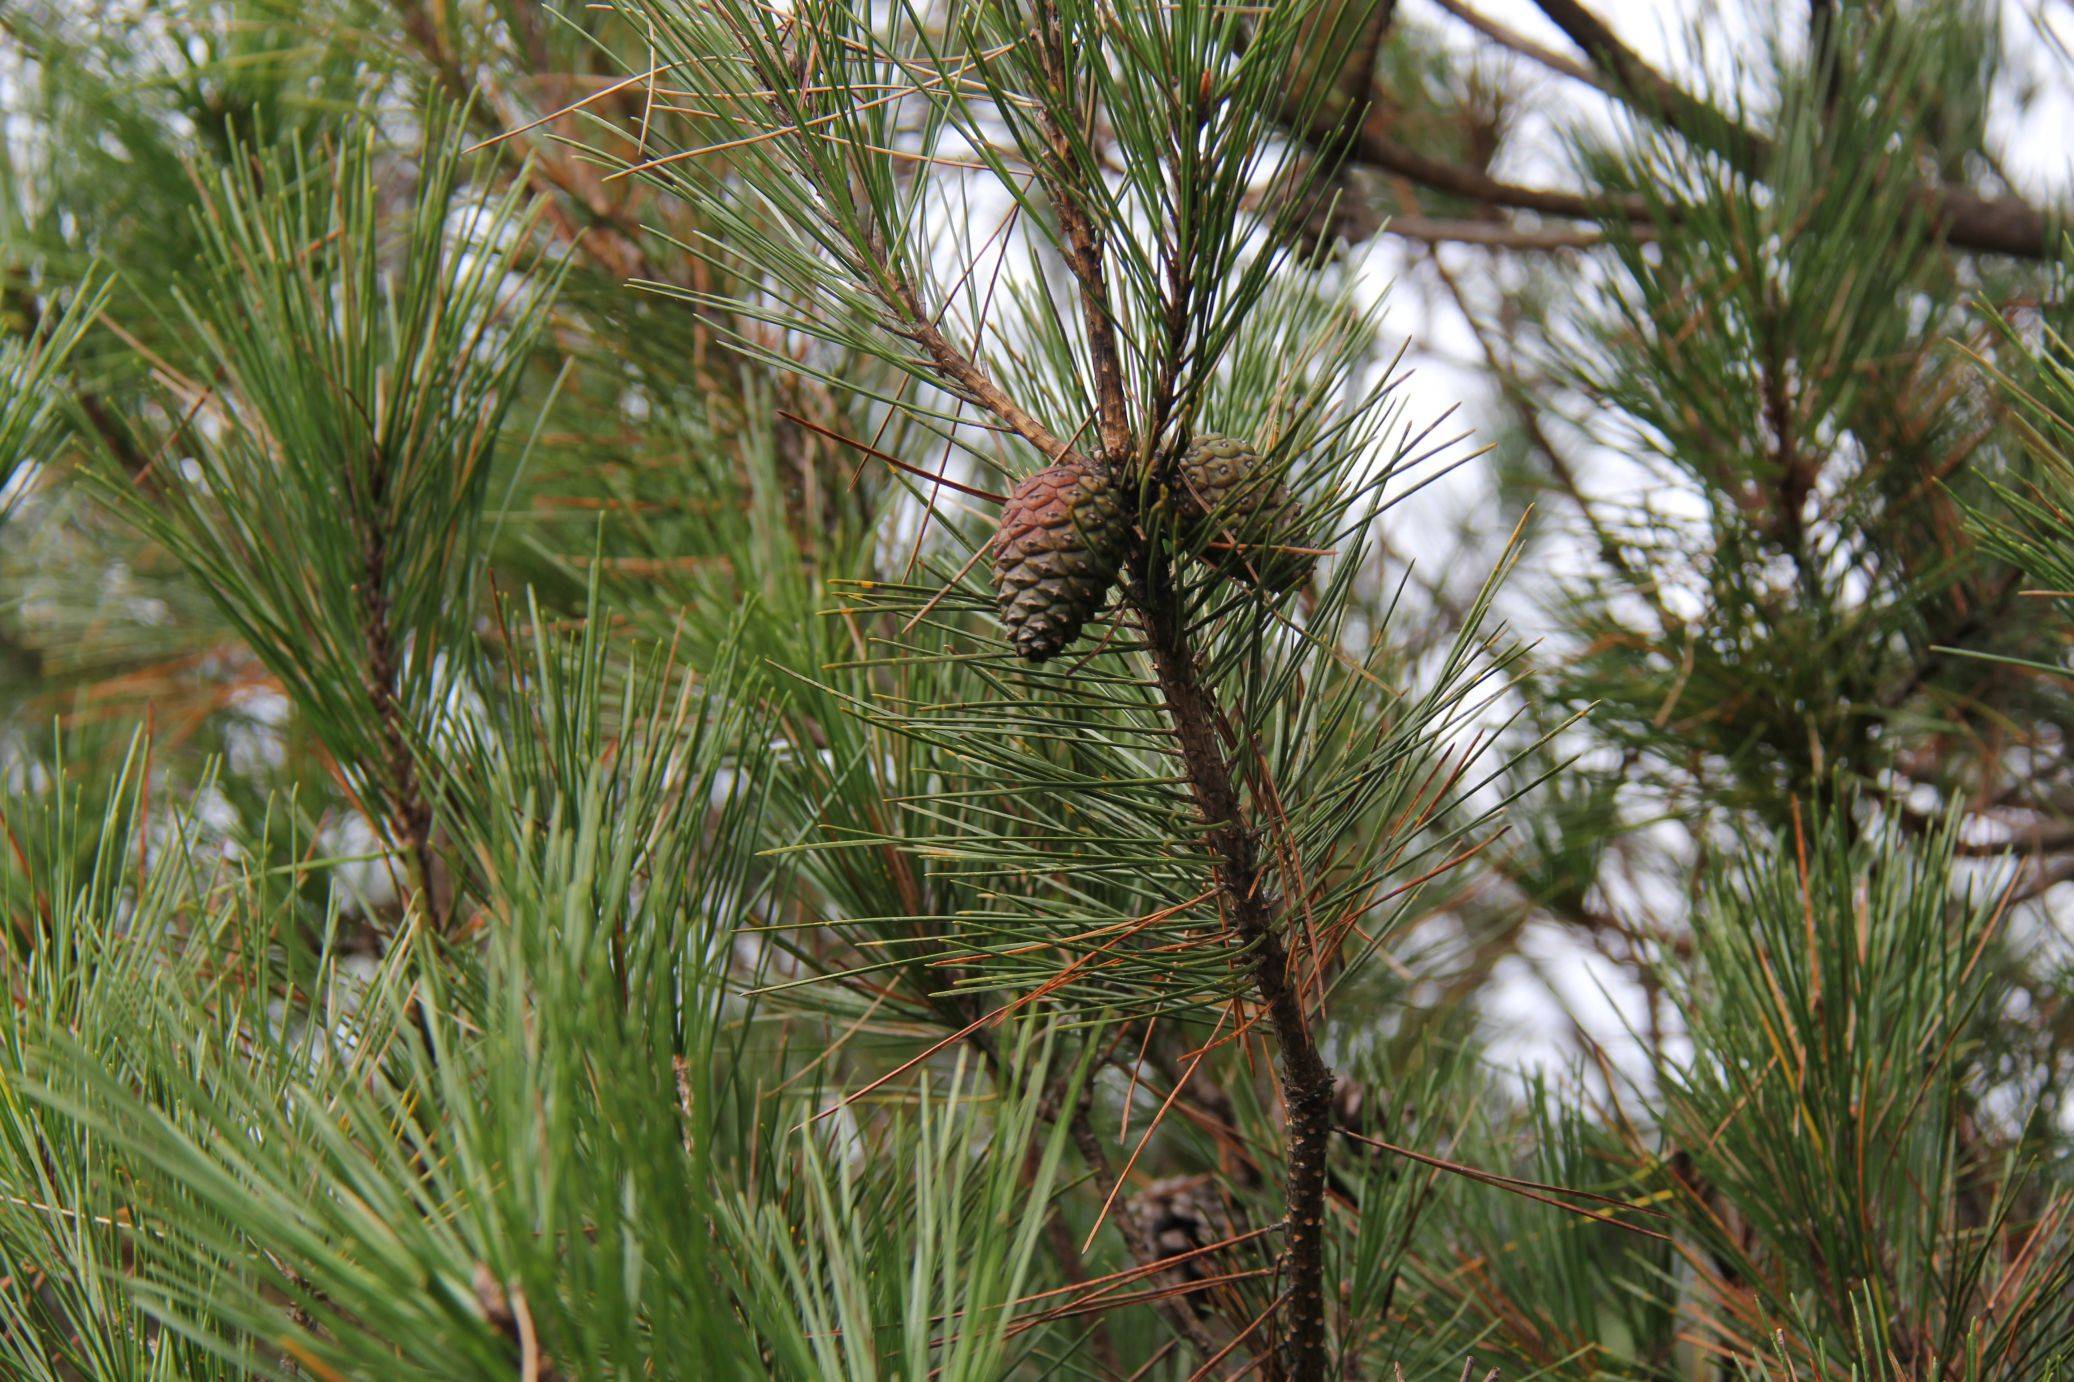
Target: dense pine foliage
[{"x": 527, "y": 849}]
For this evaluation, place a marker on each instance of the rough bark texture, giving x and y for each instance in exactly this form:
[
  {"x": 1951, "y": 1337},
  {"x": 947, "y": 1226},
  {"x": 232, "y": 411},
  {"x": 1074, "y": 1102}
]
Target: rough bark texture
[
  {"x": 410, "y": 816},
  {"x": 1307, "y": 1082}
]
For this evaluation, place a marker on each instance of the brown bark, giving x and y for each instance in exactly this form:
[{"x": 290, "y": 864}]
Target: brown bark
[
  {"x": 410, "y": 815},
  {"x": 1307, "y": 1082}
]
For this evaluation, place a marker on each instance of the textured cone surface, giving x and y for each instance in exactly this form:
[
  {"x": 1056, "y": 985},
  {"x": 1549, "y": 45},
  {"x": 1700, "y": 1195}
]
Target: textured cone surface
[
  {"x": 1061, "y": 539},
  {"x": 1225, "y": 496},
  {"x": 1179, "y": 1215}
]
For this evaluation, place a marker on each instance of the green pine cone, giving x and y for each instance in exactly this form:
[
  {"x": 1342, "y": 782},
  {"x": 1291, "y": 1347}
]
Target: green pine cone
[
  {"x": 1061, "y": 539},
  {"x": 1246, "y": 518}
]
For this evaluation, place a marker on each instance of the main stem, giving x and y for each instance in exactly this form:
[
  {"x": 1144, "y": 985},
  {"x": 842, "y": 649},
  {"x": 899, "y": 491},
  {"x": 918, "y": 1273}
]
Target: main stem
[
  {"x": 1306, "y": 1079},
  {"x": 410, "y": 816}
]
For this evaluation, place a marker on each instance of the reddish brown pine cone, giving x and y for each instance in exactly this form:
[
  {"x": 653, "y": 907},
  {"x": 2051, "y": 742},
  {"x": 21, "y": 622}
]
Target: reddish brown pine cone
[
  {"x": 1062, "y": 537},
  {"x": 1225, "y": 498}
]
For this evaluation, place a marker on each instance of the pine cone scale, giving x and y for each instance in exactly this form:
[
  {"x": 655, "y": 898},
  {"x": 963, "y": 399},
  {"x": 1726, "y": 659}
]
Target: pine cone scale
[
  {"x": 1056, "y": 555},
  {"x": 1227, "y": 499}
]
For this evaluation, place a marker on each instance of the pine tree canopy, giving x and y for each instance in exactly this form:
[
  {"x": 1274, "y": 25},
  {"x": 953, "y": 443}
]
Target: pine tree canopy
[{"x": 1013, "y": 689}]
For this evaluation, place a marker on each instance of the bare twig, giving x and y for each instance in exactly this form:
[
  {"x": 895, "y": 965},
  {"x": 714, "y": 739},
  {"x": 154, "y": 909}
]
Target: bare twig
[
  {"x": 1374, "y": 145},
  {"x": 1524, "y": 46},
  {"x": 1645, "y": 87},
  {"x": 1502, "y": 235}
]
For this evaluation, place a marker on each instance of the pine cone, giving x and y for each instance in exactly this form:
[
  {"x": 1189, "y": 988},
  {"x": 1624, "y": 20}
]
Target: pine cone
[
  {"x": 1224, "y": 496},
  {"x": 1179, "y": 1215},
  {"x": 1061, "y": 540}
]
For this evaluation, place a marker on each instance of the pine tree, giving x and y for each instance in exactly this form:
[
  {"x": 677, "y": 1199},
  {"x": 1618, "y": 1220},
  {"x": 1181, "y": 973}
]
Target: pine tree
[{"x": 698, "y": 689}]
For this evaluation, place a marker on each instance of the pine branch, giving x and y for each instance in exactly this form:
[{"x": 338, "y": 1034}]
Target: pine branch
[
  {"x": 1555, "y": 62},
  {"x": 960, "y": 369},
  {"x": 1967, "y": 219},
  {"x": 1083, "y": 248},
  {"x": 1374, "y": 146},
  {"x": 1306, "y": 1080},
  {"x": 1502, "y": 235},
  {"x": 410, "y": 814},
  {"x": 1996, "y": 225}
]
